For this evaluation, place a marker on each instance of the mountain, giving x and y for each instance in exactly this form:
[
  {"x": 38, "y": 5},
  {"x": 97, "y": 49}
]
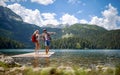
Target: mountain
[
  {"x": 83, "y": 36},
  {"x": 84, "y": 30},
  {"x": 110, "y": 39},
  {"x": 77, "y": 36},
  {"x": 8, "y": 43},
  {"x": 13, "y": 27}
]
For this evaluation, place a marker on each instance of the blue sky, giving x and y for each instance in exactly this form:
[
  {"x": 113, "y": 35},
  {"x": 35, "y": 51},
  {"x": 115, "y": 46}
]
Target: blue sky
[{"x": 104, "y": 13}]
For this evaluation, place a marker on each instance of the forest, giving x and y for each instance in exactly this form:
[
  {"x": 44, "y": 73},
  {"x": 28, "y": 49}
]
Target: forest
[{"x": 10, "y": 44}]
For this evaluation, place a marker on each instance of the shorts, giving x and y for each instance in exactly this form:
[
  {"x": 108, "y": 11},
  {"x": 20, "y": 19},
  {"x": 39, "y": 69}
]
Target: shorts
[{"x": 47, "y": 42}]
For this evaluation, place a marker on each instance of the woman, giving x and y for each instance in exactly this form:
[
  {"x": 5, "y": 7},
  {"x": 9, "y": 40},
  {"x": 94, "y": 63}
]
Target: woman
[{"x": 35, "y": 39}]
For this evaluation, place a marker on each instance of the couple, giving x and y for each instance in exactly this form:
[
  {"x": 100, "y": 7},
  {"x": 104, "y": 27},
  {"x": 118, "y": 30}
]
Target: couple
[{"x": 45, "y": 36}]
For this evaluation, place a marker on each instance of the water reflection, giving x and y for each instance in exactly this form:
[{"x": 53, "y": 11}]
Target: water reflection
[
  {"x": 38, "y": 62},
  {"x": 47, "y": 61}
]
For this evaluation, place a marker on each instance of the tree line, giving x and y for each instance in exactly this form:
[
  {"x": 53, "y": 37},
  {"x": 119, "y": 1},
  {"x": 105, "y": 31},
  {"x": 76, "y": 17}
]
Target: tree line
[
  {"x": 112, "y": 42},
  {"x": 6, "y": 43}
]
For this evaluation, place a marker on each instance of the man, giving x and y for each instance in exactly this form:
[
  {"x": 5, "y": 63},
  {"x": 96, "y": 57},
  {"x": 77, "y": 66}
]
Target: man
[{"x": 47, "y": 39}]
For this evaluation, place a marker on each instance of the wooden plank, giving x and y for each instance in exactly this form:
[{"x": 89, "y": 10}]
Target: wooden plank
[{"x": 40, "y": 54}]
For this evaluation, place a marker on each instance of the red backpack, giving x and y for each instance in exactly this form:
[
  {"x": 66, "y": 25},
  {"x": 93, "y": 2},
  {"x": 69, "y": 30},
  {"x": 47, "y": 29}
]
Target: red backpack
[{"x": 34, "y": 38}]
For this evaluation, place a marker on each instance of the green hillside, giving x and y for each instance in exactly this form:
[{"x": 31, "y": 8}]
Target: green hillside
[
  {"x": 84, "y": 30},
  {"x": 6, "y": 43},
  {"x": 84, "y": 36},
  {"x": 110, "y": 39}
]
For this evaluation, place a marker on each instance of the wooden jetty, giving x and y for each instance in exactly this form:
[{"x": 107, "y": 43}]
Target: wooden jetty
[{"x": 33, "y": 54}]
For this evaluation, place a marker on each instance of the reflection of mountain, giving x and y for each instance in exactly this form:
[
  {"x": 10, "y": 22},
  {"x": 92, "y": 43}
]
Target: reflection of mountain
[{"x": 13, "y": 27}]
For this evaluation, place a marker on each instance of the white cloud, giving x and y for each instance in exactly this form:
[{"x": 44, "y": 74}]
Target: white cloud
[
  {"x": 109, "y": 20},
  {"x": 83, "y": 21},
  {"x": 34, "y": 16},
  {"x": 2, "y": 3},
  {"x": 68, "y": 19},
  {"x": 43, "y": 2},
  {"x": 28, "y": 15},
  {"x": 49, "y": 18},
  {"x": 48, "y": 15}
]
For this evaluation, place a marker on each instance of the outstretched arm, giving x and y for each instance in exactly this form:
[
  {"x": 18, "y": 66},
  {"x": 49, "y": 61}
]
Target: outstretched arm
[{"x": 52, "y": 33}]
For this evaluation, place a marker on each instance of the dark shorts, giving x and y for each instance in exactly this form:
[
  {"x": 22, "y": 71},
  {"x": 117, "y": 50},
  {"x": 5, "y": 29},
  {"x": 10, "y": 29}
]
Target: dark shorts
[{"x": 47, "y": 42}]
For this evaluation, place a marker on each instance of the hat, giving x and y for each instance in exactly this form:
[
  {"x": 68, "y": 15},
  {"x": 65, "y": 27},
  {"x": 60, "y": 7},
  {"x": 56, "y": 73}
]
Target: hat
[{"x": 44, "y": 30}]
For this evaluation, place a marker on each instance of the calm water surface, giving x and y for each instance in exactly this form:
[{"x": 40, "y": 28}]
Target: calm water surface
[{"x": 85, "y": 58}]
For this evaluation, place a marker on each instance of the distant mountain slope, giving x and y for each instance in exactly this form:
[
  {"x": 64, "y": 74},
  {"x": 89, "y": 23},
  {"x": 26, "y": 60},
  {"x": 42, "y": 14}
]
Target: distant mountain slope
[
  {"x": 84, "y": 30},
  {"x": 88, "y": 37},
  {"x": 110, "y": 39},
  {"x": 6, "y": 43}
]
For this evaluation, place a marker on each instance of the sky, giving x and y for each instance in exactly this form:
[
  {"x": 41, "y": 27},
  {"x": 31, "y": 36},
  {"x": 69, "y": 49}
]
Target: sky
[{"x": 104, "y": 13}]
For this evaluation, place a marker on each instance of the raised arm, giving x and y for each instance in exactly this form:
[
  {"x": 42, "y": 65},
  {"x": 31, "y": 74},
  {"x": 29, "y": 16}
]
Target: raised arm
[{"x": 52, "y": 33}]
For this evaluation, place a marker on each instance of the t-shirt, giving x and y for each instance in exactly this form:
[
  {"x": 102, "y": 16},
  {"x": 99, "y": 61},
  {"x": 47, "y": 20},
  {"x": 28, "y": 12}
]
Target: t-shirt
[{"x": 46, "y": 36}]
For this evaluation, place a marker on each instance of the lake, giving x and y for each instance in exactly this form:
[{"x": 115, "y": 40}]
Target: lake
[{"x": 70, "y": 57}]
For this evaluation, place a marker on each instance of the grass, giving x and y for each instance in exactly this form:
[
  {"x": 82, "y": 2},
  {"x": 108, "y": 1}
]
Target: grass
[
  {"x": 117, "y": 70},
  {"x": 61, "y": 70}
]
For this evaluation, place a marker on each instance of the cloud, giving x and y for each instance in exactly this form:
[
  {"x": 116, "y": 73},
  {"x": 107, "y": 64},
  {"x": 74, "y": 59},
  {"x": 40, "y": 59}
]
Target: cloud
[
  {"x": 68, "y": 19},
  {"x": 48, "y": 15},
  {"x": 43, "y": 2},
  {"x": 34, "y": 16},
  {"x": 2, "y": 3},
  {"x": 28, "y": 15},
  {"x": 83, "y": 21},
  {"x": 49, "y": 18},
  {"x": 109, "y": 20}
]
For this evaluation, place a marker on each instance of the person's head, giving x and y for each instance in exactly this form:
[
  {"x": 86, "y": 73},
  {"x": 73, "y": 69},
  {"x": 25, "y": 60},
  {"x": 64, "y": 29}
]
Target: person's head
[
  {"x": 44, "y": 30},
  {"x": 36, "y": 32}
]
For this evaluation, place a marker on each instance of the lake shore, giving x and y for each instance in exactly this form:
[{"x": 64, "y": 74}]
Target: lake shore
[
  {"x": 62, "y": 62},
  {"x": 9, "y": 67},
  {"x": 61, "y": 70}
]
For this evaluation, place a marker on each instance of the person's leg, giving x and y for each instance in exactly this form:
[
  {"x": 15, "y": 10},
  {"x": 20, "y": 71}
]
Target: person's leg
[
  {"x": 38, "y": 46},
  {"x": 48, "y": 43},
  {"x": 46, "y": 46},
  {"x": 46, "y": 49},
  {"x": 35, "y": 47}
]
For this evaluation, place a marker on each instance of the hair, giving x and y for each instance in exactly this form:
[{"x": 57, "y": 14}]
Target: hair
[{"x": 35, "y": 31}]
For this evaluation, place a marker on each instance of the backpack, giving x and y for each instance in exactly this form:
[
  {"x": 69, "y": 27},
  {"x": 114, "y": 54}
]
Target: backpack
[
  {"x": 49, "y": 37},
  {"x": 34, "y": 38}
]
